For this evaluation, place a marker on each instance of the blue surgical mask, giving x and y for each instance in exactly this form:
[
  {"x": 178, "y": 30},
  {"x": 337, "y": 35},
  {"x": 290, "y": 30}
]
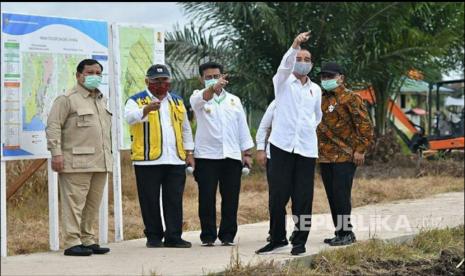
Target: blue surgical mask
[
  {"x": 92, "y": 81},
  {"x": 329, "y": 85},
  {"x": 303, "y": 68},
  {"x": 210, "y": 82}
]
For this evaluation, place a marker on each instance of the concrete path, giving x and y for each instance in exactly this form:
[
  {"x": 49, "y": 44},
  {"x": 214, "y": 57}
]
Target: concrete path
[{"x": 133, "y": 258}]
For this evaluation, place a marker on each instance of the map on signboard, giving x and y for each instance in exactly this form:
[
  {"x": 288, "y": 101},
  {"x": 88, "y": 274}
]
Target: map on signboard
[
  {"x": 138, "y": 48},
  {"x": 39, "y": 58},
  {"x": 48, "y": 75}
]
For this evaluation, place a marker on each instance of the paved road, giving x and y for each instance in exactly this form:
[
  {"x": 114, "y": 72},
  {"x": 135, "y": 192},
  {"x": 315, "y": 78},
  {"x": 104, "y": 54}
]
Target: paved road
[{"x": 133, "y": 258}]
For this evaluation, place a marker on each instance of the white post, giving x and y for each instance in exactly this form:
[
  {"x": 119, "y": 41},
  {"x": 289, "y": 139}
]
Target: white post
[
  {"x": 53, "y": 207},
  {"x": 116, "y": 131},
  {"x": 103, "y": 216},
  {"x": 117, "y": 194},
  {"x": 3, "y": 207}
]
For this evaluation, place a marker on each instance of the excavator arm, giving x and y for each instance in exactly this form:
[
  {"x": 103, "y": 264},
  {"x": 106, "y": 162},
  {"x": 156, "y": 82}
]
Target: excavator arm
[{"x": 414, "y": 137}]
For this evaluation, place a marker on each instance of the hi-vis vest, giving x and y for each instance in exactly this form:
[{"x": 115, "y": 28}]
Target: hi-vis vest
[{"x": 146, "y": 137}]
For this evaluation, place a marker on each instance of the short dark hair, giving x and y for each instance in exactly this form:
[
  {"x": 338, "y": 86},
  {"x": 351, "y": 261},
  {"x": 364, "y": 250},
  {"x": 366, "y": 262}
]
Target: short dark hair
[
  {"x": 210, "y": 65},
  {"x": 305, "y": 49},
  {"x": 85, "y": 62}
]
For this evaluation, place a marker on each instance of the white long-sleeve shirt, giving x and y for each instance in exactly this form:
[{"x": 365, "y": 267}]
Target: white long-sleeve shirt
[
  {"x": 222, "y": 130},
  {"x": 133, "y": 114},
  {"x": 298, "y": 110},
  {"x": 265, "y": 125}
]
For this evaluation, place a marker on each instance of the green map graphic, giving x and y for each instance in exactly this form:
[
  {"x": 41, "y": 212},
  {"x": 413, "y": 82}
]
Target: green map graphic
[
  {"x": 136, "y": 48},
  {"x": 45, "y": 76}
]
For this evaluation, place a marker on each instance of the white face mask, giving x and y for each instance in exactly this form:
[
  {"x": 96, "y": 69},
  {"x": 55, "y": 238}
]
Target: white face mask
[
  {"x": 210, "y": 82},
  {"x": 303, "y": 68}
]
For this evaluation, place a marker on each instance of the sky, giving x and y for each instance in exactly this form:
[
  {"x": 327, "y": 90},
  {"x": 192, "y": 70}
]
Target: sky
[
  {"x": 166, "y": 14},
  {"x": 161, "y": 13}
]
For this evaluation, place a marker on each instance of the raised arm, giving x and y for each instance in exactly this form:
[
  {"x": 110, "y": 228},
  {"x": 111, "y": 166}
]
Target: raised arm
[
  {"x": 288, "y": 61},
  {"x": 196, "y": 100},
  {"x": 135, "y": 114},
  {"x": 216, "y": 88}
]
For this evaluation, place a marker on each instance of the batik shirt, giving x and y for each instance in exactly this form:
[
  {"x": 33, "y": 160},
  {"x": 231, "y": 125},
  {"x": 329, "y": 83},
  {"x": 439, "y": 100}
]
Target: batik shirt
[{"x": 345, "y": 127}]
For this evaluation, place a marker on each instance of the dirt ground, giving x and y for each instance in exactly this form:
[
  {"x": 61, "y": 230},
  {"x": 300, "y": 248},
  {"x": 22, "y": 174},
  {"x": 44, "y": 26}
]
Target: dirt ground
[
  {"x": 407, "y": 166},
  {"x": 445, "y": 264}
]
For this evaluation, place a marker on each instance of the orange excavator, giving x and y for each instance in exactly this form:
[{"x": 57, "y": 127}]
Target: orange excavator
[{"x": 444, "y": 135}]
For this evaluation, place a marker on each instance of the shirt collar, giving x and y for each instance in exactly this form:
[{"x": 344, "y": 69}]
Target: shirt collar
[
  {"x": 86, "y": 93},
  {"x": 339, "y": 90},
  {"x": 336, "y": 92},
  {"x": 309, "y": 81},
  {"x": 222, "y": 94}
]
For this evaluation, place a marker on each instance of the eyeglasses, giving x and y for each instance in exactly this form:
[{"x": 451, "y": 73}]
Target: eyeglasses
[{"x": 209, "y": 77}]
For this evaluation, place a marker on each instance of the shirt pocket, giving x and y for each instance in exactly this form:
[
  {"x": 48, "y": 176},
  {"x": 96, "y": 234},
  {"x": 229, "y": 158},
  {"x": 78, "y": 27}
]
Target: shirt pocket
[
  {"x": 86, "y": 117},
  {"x": 83, "y": 157},
  {"x": 208, "y": 110},
  {"x": 231, "y": 113},
  {"x": 308, "y": 103},
  {"x": 308, "y": 97},
  {"x": 179, "y": 113}
]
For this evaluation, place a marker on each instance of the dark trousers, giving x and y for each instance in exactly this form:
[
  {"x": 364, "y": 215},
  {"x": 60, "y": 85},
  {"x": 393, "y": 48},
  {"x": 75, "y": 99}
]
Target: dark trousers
[
  {"x": 291, "y": 176},
  {"x": 172, "y": 179},
  {"x": 267, "y": 167},
  {"x": 337, "y": 179},
  {"x": 208, "y": 173}
]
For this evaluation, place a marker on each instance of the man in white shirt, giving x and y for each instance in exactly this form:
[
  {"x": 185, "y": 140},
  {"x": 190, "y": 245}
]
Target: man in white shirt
[
  {"x": 161, "y": 145},
  {"x": 263, "y": 147},
  {"x": 222, "y": 146},
  {"x": 293, "y": 146}
]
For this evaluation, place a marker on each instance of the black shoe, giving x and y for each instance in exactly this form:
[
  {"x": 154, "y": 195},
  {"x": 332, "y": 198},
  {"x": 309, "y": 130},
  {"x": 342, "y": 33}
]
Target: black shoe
[
  {"x": 96, "y": 249},
  {"x": 154, "y": 244},
  {"x": 227, "y": 243},
  {"x": 178, "y": 244},
  {"x": 298, "y": 249},
  {"x": 208, "y": 243},
  {"x": 270, "y": 247},
  {"x": 78, "y": 250},
  {"x": 343, "y": 240},
  {"x": 268, "y": 239},
  {"x": 329, "y": 240}
]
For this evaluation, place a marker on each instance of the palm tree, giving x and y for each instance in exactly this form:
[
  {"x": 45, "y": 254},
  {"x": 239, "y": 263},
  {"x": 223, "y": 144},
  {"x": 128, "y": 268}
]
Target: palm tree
[{"x": 376, "y": 42}]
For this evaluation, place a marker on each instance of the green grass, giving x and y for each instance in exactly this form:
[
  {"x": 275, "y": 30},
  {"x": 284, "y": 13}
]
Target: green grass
[{"x": 433, "y": 252}]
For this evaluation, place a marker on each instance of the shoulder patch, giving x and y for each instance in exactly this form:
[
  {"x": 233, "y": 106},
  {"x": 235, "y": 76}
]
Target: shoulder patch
[
  {"x": 139, "y": 95},
  {"x": 176, "y": 98}
]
